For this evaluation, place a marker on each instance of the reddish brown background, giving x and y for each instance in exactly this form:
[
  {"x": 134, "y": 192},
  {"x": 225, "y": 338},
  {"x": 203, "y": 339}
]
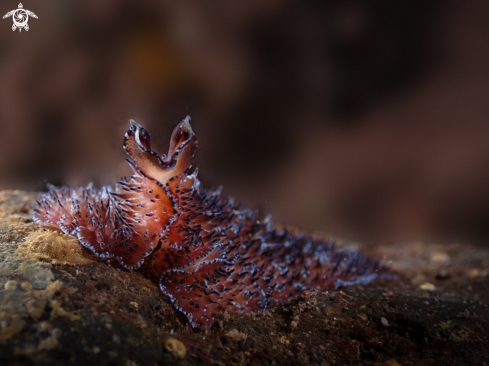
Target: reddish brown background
[{"x": 364, "y": 118}]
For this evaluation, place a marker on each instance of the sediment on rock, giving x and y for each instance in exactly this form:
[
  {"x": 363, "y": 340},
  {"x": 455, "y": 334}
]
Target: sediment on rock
[{"x": 60, "y": 306}]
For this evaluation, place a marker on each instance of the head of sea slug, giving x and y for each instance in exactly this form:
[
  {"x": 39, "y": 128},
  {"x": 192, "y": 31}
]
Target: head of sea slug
[{"x": 147, "y": 163}]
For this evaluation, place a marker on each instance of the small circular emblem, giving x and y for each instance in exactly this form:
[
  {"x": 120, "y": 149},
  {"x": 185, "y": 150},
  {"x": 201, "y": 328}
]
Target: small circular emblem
[{"x": 20, "y": 17}]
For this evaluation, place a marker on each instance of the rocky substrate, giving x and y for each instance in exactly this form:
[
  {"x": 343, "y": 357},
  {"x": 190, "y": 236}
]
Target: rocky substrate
[{"x": 61, "y": 306}]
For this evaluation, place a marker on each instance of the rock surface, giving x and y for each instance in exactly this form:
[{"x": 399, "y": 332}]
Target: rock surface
[{"x": 61, "y": 306}]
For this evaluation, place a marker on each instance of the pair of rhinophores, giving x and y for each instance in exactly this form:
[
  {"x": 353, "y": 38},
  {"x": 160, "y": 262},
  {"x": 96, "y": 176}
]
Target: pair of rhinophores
[{"x": 208, "y": 254}]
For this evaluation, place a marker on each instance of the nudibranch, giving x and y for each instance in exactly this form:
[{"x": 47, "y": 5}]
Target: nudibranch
[{"x": 208, "y": 254}]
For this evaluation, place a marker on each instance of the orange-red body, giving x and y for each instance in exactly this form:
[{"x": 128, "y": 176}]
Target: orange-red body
[{"x": 208, "y": 254}]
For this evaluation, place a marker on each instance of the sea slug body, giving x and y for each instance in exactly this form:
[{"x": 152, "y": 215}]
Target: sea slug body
[{"x": 208, "y": 254}]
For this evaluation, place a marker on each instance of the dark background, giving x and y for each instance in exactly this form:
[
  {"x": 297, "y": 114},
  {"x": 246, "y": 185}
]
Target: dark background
[{"x": 367, "y": 119}]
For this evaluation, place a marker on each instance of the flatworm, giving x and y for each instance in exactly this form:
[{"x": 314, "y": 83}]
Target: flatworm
[{"x": 208, "y": 254}]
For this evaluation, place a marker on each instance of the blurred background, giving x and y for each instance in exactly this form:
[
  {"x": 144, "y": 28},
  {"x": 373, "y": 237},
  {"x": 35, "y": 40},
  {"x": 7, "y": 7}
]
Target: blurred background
[{"x": 367, "y": 119}]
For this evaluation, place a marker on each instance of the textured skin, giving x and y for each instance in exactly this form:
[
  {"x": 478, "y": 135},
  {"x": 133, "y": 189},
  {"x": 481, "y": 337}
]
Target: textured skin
[{"x": 207, "y": 253}]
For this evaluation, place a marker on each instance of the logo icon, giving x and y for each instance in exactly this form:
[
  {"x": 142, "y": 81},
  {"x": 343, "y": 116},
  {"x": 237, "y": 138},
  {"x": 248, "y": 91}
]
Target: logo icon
[{"x": 20, "y": 17}]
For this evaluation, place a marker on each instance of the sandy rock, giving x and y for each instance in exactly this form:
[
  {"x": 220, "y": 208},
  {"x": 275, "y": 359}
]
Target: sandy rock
[{"x": 58, "y": 306}]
